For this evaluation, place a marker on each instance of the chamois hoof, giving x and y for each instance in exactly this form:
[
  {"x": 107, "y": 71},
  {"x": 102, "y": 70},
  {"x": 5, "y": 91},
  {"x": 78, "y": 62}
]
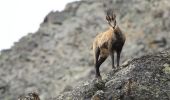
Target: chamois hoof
[
  {"x": 113, "y": 67},
  {"x": 98, "y": 78}
]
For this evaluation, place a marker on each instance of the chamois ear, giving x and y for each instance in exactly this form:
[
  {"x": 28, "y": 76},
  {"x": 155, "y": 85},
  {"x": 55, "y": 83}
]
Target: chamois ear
[
  {"x": 107, "y": 18},
  {"x": 114, "y": 16}
]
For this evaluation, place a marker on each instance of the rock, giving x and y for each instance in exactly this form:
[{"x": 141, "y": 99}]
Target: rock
[
  {"x": 166, "y": 68},
  {"x": 30, "y": 96},
  {"x": 3, "y": 88},
  {"x": 99, "y": 95},
  {"x": 145, "y": 78}
]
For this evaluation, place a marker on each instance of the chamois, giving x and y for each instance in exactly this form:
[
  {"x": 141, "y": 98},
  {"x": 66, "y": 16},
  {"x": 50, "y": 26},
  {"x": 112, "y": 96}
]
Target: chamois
[{"x": 107, "y": 43}]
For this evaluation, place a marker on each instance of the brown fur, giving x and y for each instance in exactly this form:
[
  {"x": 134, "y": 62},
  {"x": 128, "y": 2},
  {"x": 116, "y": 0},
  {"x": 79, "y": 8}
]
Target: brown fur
[{"x": 107, "y": 43}]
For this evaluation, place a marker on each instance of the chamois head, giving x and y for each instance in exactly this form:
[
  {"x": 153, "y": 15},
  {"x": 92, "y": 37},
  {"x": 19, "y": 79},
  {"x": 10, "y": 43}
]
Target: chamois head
[{"x": 111, "y": 18}]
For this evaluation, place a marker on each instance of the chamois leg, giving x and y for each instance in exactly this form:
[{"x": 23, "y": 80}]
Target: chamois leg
[
  {"x": 118, "y": 58},
  {"x": 111, "y": 51},
  {"x": 97, "y": 53},
  {"x": 112, "y": 57},
  {"x": 100, "y": 61}
]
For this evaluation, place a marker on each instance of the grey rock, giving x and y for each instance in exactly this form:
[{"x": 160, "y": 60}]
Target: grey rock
[{"x": 145, "y": 78}]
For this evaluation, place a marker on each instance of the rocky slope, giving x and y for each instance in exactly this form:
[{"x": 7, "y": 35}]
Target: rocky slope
[
  {"x": 58, "y": 57},
  {"x": 144, "y": 78}
]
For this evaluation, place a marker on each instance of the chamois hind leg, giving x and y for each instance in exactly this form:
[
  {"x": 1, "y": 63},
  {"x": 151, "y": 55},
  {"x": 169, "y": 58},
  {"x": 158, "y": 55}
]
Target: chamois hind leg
[
  {"x": 100, "y": 61},
  {"x": 96, "y": 57}
]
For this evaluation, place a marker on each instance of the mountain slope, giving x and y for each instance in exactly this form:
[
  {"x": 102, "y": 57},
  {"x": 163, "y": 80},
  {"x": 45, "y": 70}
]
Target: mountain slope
[{"x": 144, "y": 78}]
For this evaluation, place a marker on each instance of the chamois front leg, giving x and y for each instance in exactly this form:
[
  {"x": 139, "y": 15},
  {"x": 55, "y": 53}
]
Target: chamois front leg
[
  {"x": 112, "y": 58},
  {"x": 111, "y": 51},
  {"x": 118, "y": 57}
]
